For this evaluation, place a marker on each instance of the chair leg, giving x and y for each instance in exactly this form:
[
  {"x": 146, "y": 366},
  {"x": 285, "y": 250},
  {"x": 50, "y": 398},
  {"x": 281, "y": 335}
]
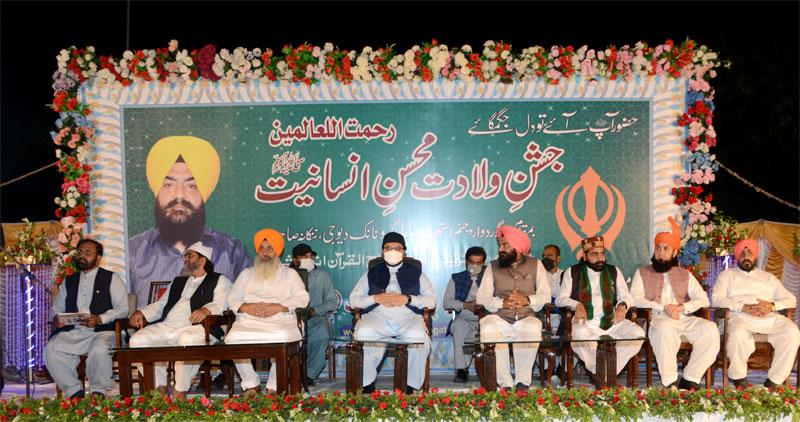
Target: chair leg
[
  {"x": 649, "y": 361},
  {"x": 426, "y": 386},
  {"x": 329, "y": 356},
  {"x": 207, "y": 378}
]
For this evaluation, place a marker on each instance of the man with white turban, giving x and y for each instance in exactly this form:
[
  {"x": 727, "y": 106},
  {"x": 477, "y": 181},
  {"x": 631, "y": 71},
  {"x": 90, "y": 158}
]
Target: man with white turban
[
  {"x": 182, "y": 172},
  {"x": 674, "y": 294},
  {"x": 753, "y": 295},
  {"x": 264, "y": 298},
  {"x": 176, "y": 318},
  {"x": 598, "y": 295},
  {"x": 391, "y": 296},
  {"x": 514, "y": 288}
]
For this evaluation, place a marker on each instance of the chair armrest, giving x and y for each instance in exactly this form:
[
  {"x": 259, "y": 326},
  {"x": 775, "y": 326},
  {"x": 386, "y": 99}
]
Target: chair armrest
[
  {"x": 704, "y": 313},
  {"x": 548, "y": 309},
  {"x": 121, "y": 325},
  {"x": 789, "y": 312}
]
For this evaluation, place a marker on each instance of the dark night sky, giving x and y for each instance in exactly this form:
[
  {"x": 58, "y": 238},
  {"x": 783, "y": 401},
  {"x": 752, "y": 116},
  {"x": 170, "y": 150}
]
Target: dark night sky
[{"x": 756, "y": 116}]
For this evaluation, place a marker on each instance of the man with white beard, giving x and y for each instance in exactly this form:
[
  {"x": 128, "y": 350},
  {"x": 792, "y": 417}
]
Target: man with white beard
[
  {"x": 391, "y": 296},
  {"x": 264, "y": 298},
  {"x": 195, "y": 293}
]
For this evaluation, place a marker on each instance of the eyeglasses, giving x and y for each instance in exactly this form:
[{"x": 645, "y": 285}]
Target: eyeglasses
[
  {"x": 394, "y": 248},
  {"x": 84, "y": 252}
]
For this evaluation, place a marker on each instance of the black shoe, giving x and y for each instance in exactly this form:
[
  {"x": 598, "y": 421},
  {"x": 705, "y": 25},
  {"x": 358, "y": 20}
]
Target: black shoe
[
  {"x": 461, "y": 376},
  {"x": 369, "y": 389},
  {"x": 409, "y": 389},
  {"x": 219, "y": 382},
  {"x": 309, "y": 381},
  {"x": 688, "y": 385},
  {"x": 674, "y": 385},
  {"x": 741, "y": 382},
  {"x": 591, "y": 377},
  {"x": 78, "y": 395},
  {"x": 521, "y": 387},
  {"x": 769, "y": 384}
]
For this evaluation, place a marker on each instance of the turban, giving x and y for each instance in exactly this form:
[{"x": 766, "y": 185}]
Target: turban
[
  {"x": 198, "y": 154},
  {"x": 751, "y": 244},
  {"x": 394, "y": 237},
  {"x": 202, "y": 250},
  {"x": 515, "y": 237},
  {"x": 272, "y": 237},
  {"x": 592, "y": 242},
  {"x": 672, "y": 239}
]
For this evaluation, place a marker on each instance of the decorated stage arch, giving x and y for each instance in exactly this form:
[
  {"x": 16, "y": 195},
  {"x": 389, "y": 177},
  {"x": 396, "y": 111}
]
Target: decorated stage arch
[{"x": 335, "y": 148}]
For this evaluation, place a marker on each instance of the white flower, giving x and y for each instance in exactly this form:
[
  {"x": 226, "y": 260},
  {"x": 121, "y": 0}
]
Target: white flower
[
  {"x": 90, "y": 49},
  {"x": 187, "y": 61},
  {"x": 225, "y": 54},
  {"x": 256, "y": 62},
  {"x": 80, "y": 61},
  {"x": 128, "y": 55}
]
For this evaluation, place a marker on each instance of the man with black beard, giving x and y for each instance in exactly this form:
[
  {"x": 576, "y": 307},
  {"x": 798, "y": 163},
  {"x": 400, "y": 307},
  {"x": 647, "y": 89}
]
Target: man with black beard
[
  {"x": 753, "y": 295},
  {"x": 101, "y": 295},
  {"x": 182, "y": 172},
  {"x": 674, "y": 294},
  {"x": 598, "y": 295},
  {"x": 514, "y": 288},
  {"x": 175, "y": 318}
]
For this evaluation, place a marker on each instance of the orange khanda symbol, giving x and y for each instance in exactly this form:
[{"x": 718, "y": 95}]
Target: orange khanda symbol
[{"x": 590, "y": 225}]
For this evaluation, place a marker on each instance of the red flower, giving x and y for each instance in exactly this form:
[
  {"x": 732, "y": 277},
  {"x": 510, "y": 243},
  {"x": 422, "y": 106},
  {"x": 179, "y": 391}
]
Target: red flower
[
  {"x": 211, "y": 412},
  {"x": 72, "y": 103},
  {"x": 540, "y": 401},
  {"x": 382, "y": 405},
  {"x": 501, "y": 404},
  {"x": 674, "y": 402},
  {"x": 363, "y": 410},
  {"x": 590, "y": 402},
  {"x": 403, "y": 405}
]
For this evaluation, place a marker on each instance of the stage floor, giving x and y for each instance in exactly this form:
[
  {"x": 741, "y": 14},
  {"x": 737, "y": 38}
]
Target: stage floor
[{"x": 441, "y": 380}]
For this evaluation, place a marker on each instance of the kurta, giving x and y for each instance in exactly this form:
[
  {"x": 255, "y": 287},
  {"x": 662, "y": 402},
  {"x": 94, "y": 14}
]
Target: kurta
[
  {"x": 322, "y": 300},
  {"x": 735, "y": 288},
  {"x": 587, "y": 351},
  {"x": 465, "y": 324},
  {"x": 399, "y": 321},
  {"x": 665, "y": 332},
  {"x": 284, "y": 288},
  {"x": 177, "y": 330},
  {"x": 62, "y": 353}
]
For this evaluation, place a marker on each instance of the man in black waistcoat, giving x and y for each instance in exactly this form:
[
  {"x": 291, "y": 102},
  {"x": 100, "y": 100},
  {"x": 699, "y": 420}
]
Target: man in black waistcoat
[
  {"x": 100, "y": 296},
  {"x": 178, "y": 314}
]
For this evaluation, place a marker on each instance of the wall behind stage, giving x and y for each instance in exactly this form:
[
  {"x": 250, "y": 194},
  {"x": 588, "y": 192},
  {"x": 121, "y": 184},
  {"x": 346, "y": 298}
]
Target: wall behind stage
[{"x": 338, "y": 168}]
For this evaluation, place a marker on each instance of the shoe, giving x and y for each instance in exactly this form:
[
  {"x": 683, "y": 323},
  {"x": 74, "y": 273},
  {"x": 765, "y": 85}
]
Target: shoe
[
  {"x": 250, "y": 392},
  {"x": 769, "y": 384},
  {"x": 97, "y": 395},
  {"x": 462, "y": 376},
  {"x": 219, "y": 382},
  {"x": 741, "y": 382},
  {"x": 177, "y": 394},
  {"x": 674, "y": 385},
  {"x": 521, "y": 387},
  {"x": 409, "y": 389},
  {"x": 685, "y": 384},
  {"x": 78, "y": 395},
  {"x": 591, "y": 377},
  {"x": 555, "y": 381},
  {"x": 369, "y": 388},
  {"x": 163, "y": 390},
  {"x": 309, "y": 381}
]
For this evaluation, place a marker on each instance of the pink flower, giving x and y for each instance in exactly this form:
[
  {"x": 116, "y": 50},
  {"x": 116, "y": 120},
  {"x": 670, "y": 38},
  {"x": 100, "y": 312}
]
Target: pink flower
[
  {"x": 685, "y": 177},
  {"x": 699, "y": 85},
  {"x": 553, "y": 74},
  {"x": 658, "y": 50},
  {"x": 590, "y": 54},
  {"x": 173, "y": 45},
  {"x": 74, "y": 243},
  {"x": 62, "y": 238},
  {"x": 587, "y": 67},
  {"x": 67, "y": 221},
  {"x": 554, "y": 51},
  {"x": 71, "y": 144},
  {"x": 61, "y": 249},
  {"x": 205, "y": 401}
]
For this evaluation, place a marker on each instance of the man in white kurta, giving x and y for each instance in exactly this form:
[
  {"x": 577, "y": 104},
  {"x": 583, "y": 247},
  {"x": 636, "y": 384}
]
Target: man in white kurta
[
  {"x": 753, "y": 296},
  {"x": 101, "y": 294},
  {"x": 674, "y": 294},
  {"x": 514, "y": 288},
  {"x": 593, "y": 315},
  {"x": 459, "y": 296},
  {"x": 264, "y": 298},
  {"x": 178, "y": 316},
  {"x": 392, "y": 295}
]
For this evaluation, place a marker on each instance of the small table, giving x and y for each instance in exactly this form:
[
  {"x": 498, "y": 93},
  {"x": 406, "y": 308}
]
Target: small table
[
  {"x": 606, "y": 357},
  {"x": 355, "y": 361},
  {"x": 287, "y": 356}
]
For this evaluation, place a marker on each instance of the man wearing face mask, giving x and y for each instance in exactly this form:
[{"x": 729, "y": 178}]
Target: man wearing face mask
[
  {"x": 322, "y": 299},
  {"x": 391, "y": 296},
  {"x": 674, "y": 294},
  {"x": 460, "y": 296},
  {"x": 753, "y": 295},
  {"x": 599, "y": 296},
  {"x": 514, "y": 288}
]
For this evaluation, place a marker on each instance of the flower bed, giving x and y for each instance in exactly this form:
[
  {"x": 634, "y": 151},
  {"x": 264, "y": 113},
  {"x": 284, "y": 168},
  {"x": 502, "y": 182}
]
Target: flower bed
[{"x": 753, "y": 404}]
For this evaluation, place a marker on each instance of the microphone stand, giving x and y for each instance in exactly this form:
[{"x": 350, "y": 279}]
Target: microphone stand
[{"x": 25, "y": 285}]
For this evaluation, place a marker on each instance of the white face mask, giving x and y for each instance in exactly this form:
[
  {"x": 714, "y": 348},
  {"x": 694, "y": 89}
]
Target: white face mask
[
  {"x": 393, "y": 257},
  {"x": 307, "y": 264},
  {"x": 474, "y": 269}
]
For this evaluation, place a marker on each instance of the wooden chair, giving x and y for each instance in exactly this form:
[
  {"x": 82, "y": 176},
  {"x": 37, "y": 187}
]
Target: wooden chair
[
  {"x": 330, "y": 353},
  {"x": 763, "y": 353},
  {"x": 300, "y": 313}
]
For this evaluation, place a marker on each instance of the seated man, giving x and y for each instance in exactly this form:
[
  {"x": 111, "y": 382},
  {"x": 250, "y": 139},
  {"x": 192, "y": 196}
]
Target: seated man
[
  {"x": 753, "y": 295},
  {"x": 551, "y": 258},
  {"x": 599, "y": 296},
  {"x": 195, "y": 293},
  {"x": 101, "y": 295},
  {"x": 264, "y": 298},
  {"x": 514, "y": 287},
  {"x": 674, "y": 294},
  {"x": 322, "y": 299},
  {"x": 391, "y": 296},
  {"x": 460, "y": 296}
]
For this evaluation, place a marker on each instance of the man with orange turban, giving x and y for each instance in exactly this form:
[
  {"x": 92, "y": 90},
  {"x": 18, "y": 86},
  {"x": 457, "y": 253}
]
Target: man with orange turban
[
  {"x": 597, "y": 292},
  {"x": 753, "y": 295},
  {"x": 514, "y": 288},
  {"x": 674, "y": 294},
  {"x": 264, "y": 298},
  {"x": 182, "y": 172}
]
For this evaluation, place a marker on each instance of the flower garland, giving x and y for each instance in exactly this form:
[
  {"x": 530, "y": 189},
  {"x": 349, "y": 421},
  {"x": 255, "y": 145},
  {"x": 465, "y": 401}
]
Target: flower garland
[
  {"x": 308, "y": 64},
  {"x": 31, "y": 247},
  {"x": 752, "y": 404}
]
